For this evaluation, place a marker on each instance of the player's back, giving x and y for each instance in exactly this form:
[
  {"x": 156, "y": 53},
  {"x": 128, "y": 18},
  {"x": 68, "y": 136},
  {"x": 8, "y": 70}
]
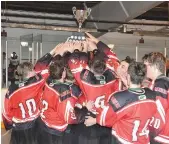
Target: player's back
[
  {"x": 58, "y": 101},
  {"x": 134, "y": 109},
  {"x": 22, "y": 100},
  {"x": 161, "y": 87},
  {"x": 50, "y": 105},
  {"x": 98, "y": 88}
]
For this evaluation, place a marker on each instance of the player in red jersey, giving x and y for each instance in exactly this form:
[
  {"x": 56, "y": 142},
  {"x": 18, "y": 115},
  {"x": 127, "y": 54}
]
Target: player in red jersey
[
  {"x": 97, "y": 79},
  {"x": 21, "y": 106},
  {"x": 58, "y": 101},
  {"x": 155, "y": 63},
  {"x": 129, "y": 111}
]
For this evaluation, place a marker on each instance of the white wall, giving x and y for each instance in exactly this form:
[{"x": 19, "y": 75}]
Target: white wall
[
  {"x": 49, "y": 40},
  {"x": 125, "y": 44}
]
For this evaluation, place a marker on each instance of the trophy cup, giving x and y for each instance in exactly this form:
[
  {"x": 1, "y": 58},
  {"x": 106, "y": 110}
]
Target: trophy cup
[{"x": 81, "y": 15}]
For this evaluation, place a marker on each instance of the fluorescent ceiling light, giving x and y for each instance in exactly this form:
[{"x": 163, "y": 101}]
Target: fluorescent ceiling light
[
  {"x": 30, "y": 49},
  {"x": 24, "y": 44}
]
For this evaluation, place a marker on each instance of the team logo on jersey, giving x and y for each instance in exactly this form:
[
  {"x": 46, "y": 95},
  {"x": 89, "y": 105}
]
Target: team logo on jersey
[
  {"x": 51, "y": 84},
  {"x": 142, "y": 97},
  {"x": 102, "y": 82},
  {"x": 21, "y": 84}
]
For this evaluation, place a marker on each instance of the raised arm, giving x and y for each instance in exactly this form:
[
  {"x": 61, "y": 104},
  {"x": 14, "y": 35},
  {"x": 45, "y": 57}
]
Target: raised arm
[{"x": 112, "y": 61}]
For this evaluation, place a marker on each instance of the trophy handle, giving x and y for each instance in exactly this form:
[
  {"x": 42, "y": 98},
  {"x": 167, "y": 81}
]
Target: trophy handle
[
  {"x": 88, "y": 11},
  {"x": 74, "y": 11}
]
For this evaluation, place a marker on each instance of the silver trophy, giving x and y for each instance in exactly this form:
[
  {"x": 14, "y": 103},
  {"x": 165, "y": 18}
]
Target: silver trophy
[{"x": 81, "y": 15}]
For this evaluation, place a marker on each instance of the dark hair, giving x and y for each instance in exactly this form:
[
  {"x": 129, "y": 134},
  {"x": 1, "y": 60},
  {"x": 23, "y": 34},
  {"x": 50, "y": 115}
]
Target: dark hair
[
  {"x": 128, "y": 60},
  {"x": 24, "y": 68},
  {"x": 57, "y": 57},
  {"x": 144, "y": 58},
  {"x": 137, "y": 72},
  {"x": 66, "y": 56},
  {"x": 156, "y": 59},
  {"x": 98, "y": 64},
  {"x": 56, "y": 69},
  {"x": 69, "y": 75}
]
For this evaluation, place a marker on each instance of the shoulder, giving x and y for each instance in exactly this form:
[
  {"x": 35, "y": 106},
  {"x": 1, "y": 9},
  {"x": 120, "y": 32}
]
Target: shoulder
[
  {"x": 161, "y": 86},
  {"x": 76, "y": 91},
  {"x": 120, "y": 99},
  {"x": 162, "y": 81},
  {"x": 109, "y": 75},
  {"x": 87, "y": 76},
  {"x": 12, "y": 88},
  {"x": 150, "y": 94}
]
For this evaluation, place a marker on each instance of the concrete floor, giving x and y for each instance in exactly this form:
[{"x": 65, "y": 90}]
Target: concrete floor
[{"x": 5, "y": 136}]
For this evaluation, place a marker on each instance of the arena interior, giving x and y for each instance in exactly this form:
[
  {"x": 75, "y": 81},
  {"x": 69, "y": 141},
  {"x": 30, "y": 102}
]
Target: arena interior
[{"x": 30, "y": 30}]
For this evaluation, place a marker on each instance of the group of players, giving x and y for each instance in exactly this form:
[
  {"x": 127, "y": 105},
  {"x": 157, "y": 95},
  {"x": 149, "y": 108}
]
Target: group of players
[{"x": 79, "y": 93}]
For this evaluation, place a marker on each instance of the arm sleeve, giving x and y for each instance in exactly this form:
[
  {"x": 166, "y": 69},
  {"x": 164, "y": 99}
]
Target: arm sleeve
[
  {"x": 42, "y": 64},
  {"x": 112, "y": 61},
  {"x": 78, "y": 61},
  {"x": 106, "y": 116},
  {"x": 67, "y": 107},
  {"x": 162, "y": 90},
  {"x": 109, "y": 114},
  {"x": 7, "y": 113}
]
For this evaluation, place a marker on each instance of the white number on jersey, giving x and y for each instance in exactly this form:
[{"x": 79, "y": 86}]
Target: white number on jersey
[
  {"x": 144, "y": 131},
  {"x": 45, "y": 104},
  {"x": 31, "y": 106},
  {"x": 100, "y": 101},
  {"x": 156, "y": 122}
]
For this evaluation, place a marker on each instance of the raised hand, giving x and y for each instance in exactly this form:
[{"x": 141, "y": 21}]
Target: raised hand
[
  {"x": 92, "y": 38},
  {"x": 85, "y": 46},
  {"x": 90, "y": 105},
  {"x": 91, "y": 45},
  {"x": 54, "y": 51},
  {"x": 78, "y": 45}
]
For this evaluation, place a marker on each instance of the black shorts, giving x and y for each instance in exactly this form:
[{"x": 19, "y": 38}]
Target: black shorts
[
  {"x": 26, "y": 136},
  {"x": 48, "y": 135},
  {"x": 47, "y": 138},
  {"x": 95, "y": 134}
]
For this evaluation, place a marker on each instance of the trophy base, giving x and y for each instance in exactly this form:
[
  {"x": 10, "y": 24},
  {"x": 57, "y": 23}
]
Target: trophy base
[{"x": 77, "y": 36}]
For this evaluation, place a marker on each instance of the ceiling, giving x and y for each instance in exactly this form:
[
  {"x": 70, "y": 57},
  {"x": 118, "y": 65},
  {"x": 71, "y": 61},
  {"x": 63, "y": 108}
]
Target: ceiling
[
  {"x": 57, "y": 7},
  {"x": 106, "y": 16},
  {"x": 158, "y": 13}
]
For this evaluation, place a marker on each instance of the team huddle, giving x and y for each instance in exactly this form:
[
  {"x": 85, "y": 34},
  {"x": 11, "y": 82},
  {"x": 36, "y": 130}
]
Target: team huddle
[{"x": 80, "y": 93}]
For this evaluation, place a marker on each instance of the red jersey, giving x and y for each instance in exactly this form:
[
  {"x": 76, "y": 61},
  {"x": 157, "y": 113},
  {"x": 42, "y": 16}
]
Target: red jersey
[
  {"x": 160, "y": 124},
  {"x": 95, "y": 88},
  {"x": 58, "y": 102},
  {"x": 22, "y": 100},
  {"x": 42, "y": 65},
  {"x": 129, "y": 113}
]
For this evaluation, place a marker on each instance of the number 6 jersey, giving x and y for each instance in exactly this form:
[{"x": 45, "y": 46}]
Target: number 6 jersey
[
  {"x": 95, "y": 88},
  {"x": 129, "y": 113}
]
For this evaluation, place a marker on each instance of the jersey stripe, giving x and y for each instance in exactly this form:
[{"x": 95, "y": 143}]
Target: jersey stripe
[
  {"x": 162, "y": 139},
  {"x": 136, "y": 103},
  {"x": 26, "y": 87}
]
